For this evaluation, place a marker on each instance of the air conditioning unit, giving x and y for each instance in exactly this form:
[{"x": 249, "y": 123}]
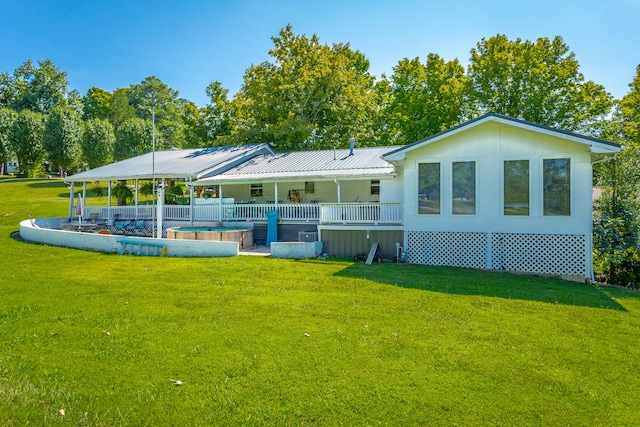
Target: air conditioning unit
[{"x": 307, "y": 236}]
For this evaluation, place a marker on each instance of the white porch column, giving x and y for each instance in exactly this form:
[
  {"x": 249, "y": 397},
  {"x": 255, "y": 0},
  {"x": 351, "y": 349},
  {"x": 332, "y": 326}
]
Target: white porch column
[
  {"x": 192, "y": 200},
  {"x": 109, "y": 200},
  {"x": 136, "y": 202},
  {"x": 220, "y": 204},
  {"x": 339, "y": 190},
  {"x": 160, "y": 209},
  {"x": 276, "y": 195},
  {"x": 72, "y": 191}
]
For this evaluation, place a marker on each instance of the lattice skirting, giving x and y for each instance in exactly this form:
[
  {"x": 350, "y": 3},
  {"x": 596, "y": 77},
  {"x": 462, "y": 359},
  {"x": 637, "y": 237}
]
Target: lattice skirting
[{"x": 556, "y": 254}]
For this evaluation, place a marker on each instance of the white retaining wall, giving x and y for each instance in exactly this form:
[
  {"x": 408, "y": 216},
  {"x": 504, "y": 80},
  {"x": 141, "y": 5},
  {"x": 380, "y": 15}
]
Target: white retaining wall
[{"x": 31, "y": 231}]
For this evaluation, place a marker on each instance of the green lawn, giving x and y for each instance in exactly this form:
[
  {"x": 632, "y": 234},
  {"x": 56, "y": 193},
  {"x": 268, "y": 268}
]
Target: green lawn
[{"x": 282, "y": 342}]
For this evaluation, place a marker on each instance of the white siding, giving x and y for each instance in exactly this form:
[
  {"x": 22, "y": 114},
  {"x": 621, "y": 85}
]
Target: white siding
[{"x": 489, "y": 145}]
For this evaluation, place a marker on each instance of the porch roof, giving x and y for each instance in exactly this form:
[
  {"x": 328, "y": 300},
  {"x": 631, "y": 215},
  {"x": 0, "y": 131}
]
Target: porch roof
[
  {"x": 175, "y": 164},
  {"x": 318, "y": 164}
]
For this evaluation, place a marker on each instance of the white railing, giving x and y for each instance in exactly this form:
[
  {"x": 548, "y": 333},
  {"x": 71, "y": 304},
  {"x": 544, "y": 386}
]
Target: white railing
[
  {"x": 361, "y": 213},
  {"x": 325, "y": 213}
]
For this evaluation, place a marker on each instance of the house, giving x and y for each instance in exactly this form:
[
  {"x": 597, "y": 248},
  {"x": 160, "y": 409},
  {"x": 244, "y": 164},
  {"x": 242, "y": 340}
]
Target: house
[
  {"x": 501, "y": 193},
  {"x": 493, "y": 193}
]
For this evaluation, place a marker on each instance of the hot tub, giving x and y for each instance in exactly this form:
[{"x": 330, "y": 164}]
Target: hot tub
[{"x": 244, "y": 236}]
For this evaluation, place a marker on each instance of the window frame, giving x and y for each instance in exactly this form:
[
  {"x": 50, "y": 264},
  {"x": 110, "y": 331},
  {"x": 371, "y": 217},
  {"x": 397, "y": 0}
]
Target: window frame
[
  {"x": 475, "y": 187},
  {"x": 440, "y": 187},
  {"x": 529, "y": 187},
  {"x": 543, "y": 207},
  {"x": 256, "y": 190}
]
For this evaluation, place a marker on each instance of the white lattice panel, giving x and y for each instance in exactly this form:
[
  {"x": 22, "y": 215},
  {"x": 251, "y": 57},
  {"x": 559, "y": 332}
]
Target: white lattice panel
[
  {"x": 540, "y": 253},
  {"x": 448, "y": 248},
  {"x": 557, "y": 254}
]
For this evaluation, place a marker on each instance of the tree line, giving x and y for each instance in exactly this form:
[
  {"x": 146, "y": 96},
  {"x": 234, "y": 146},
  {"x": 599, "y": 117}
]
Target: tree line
[{"x": 311, "y": 95}]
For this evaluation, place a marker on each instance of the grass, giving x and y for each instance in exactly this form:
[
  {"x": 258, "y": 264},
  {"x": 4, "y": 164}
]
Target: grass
[{"x": 283, "y": 342}]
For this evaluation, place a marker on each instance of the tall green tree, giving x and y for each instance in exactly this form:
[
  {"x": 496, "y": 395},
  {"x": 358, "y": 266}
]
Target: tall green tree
[
  {"x": 312, "y": 96},
  {"x": 97, "y": 103},
  {"x": 536, "y": 81},
  {"x": 7, "y": 117},
  {"x": 153, "y": 99},
  {"x": 39, "y": 87},
  {"x": 27, "y": 141},
  {"x": 630, "y": 112},
  {"x": 426, "y": 98},
  {"x": 217, "y": 113},
  {"x": 7, "y": 91},
  {"x": 98, "y": 143},
  {"x": 63, "y": 138},
  {"x": 194, "y": 125},
  {"x": 133, "y": 138}
]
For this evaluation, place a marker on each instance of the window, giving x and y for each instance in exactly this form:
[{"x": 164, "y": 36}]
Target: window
[
  {"x": 557, "y": 187},
  {"x": 309, "y": 187},
  {"x": 256, "y": 190},
  {"x": 375, "y": 186},
  {"x": 516, "y": 187},
  {"x": 463, "y": 190},
  {"x": 429, "y": 188}
]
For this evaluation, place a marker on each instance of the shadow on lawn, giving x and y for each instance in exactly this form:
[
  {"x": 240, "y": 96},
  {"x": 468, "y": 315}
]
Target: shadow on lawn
[{"x": 462, "y": 281}]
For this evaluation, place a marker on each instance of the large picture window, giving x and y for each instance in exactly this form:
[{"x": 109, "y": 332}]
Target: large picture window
[
  {"x": 429, "y": 188},
  {"x": 557, "y": 186},
  {"x": 516, "y": 187},
  {"x": 463, "y": 190}
]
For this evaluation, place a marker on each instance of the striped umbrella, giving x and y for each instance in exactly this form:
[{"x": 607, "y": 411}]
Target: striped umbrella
[{"x": 79, "y": 209}]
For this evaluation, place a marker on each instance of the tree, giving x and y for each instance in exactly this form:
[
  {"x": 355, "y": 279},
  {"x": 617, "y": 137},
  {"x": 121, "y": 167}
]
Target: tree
[
  {"x": 133, "y": 138},
  {"x": 217, "y": 114},
  {"x": 426, "y": 98},
  {"x": 7, "y": 117},
  {"x": 26, "y": 140},
  {"x": 539, "y": 82},
  {"x": 97, "y": 103},
  {"x": 7, "y": 91},
  {"x": 194, "y": 125},
  {"x": 63, "y": 138},
  {"x": 630, "y": 111},
  {"x": 39, "y": 88},
  {"x": 312, "y": 96},
  {"x": 154, "y": 100},
  {"x": 98, "y": 143}
]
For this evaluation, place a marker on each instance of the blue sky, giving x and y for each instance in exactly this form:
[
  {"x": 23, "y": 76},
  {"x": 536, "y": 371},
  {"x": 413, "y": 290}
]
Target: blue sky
[{"x": 188, "y": 44}]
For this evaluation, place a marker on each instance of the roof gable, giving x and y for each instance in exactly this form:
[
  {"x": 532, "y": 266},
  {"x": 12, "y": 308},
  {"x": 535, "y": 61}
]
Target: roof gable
[{"x": 597, "y": 145}]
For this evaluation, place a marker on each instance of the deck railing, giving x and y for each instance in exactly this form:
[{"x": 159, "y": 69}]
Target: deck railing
[
  {"x": 361, "y": 213},
  {"x": 324, "y": 213}
]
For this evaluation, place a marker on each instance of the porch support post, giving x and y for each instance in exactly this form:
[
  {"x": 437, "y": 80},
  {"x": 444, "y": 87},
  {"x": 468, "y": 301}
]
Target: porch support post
[
  {"x": 136, "y": 202},
  {"x": 109, "y": 200},
  {"x": 191, "y": 202},
  {"x": 339, "y": 190},
  {"x": 72, "y": 190},
  {"x": 276, "y": 194},
  {"x": 84, "y": 195},
  {"x": 220, "y": 210},
  {"x": 160, "y": 209}
]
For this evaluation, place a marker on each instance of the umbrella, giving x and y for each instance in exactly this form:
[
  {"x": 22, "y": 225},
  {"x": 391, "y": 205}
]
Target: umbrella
[{"x": 79, "y": 209}]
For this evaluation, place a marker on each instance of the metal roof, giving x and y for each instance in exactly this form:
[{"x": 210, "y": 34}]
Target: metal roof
[
  {"x": 317, "y": 164},
  {"x": 597, "y": 145},
  {"x": 187, "y": 164}
]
